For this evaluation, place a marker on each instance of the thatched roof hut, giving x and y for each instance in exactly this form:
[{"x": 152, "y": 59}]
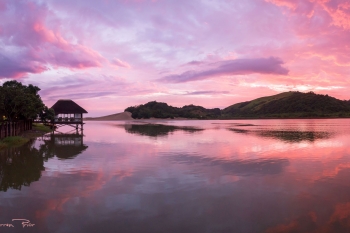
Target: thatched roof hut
[
  {"x": 68, "y": 112},
  {"x": 67, "y": 107}
]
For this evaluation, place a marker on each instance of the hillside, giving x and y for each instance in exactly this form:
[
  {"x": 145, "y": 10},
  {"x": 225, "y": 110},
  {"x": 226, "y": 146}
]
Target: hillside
[
  {"x": 163, "y": 110},
  {"x": 283, "y": 105},
  {"x": 289, "y": 105}
]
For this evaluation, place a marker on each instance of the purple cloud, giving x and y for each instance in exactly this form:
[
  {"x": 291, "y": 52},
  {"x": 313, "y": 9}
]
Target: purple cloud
[
  {"x": 207, "y": 92},
  {"x": 271, "y": 65},
  {"x": 194, "y": 63},
  {"x": 120, "y": 63},
  {"x": 16, "y": 68},
  {"x": 34, "y": 41}
]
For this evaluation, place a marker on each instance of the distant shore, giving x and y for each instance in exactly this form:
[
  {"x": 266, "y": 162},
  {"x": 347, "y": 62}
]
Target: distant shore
[{"x": 126, "y": 116}]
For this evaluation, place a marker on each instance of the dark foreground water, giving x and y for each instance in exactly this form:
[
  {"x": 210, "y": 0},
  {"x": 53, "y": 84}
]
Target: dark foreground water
[{"x": 181, "y": 176}]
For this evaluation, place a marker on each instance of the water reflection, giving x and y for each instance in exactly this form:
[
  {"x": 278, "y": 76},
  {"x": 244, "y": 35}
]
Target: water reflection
[
  {"x": 157, "y": 130},
  {"x": 63, "y": 146},
  {"x": 218, "y": 180},
  {"x": 235, "y": 167},
  {"x": 286, "y": 135},
  {"x": 20, "y": 167}
]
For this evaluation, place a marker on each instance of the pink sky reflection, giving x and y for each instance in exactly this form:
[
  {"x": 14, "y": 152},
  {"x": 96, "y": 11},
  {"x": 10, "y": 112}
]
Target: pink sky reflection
[{"x": 132, "y": 165}]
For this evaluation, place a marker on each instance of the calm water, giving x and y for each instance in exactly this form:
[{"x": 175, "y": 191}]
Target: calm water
[{"x": 182, "y": 176}]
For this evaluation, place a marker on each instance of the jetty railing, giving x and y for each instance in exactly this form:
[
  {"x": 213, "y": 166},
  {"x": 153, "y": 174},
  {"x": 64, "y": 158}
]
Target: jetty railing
[{"x": 8, "y": 129}]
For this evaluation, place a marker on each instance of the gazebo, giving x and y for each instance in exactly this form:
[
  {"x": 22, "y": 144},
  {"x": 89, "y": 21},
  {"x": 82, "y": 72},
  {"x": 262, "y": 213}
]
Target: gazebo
[{"x": 67, "y": 112}]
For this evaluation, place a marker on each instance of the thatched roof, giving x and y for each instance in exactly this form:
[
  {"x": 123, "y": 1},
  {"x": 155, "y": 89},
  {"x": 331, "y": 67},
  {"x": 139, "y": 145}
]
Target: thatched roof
[{"x": 67, "y": 106}]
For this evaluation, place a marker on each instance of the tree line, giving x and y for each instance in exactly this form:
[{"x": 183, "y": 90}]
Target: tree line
[
  {"x": 22, "y": 102},
  {"x": 288, "y": 105},
  {"x": 295, "y": 105},
  {"x": 162, "y": 110}
]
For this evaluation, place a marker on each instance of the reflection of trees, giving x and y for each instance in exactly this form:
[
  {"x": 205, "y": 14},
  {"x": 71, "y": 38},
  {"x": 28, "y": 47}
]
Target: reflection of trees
[
  {"x": 22, "y": 166},
  {"x": 157, "y": 130},
  {"x": 287, "y": 136}
]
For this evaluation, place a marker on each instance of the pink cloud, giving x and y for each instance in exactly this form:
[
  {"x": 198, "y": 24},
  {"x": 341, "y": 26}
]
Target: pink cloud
[
  {"x": 192, "y": 40},
  {"x": 36, "y": 38},
  {"x": 270, "y": 65},
  {"x": 16, "y": 68},
  {"x": 120, "y": 63},
  {"x": 339, "y": 11},
  {"x": 194, "y": 63}
]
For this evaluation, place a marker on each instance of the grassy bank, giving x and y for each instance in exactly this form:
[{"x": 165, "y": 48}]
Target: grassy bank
[
  {"x": 41, "y": 128},
  {"x": 16, "y": 141}
]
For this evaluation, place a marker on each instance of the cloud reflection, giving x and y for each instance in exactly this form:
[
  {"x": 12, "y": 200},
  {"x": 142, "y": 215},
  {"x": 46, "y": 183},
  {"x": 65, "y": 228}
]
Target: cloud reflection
[{"x": 246, "y": 167}]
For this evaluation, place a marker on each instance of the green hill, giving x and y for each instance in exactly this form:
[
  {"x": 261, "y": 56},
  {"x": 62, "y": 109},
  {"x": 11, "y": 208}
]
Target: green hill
[
  {"x": 283, "y": 105},
  {"x": 163, "y": 110},
  {"x": 289, "y": 105}
]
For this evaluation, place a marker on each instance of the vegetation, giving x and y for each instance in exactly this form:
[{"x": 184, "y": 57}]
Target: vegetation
[
  {"x": 47, "y": 114},
  {"x": 283, "y": 105},
  {"x": 17, "y": 141},
  {"x": 289, "y": 105},
  {"x": 41, "y": 128},
  {"x": 21, "y": 102},
  {"x": 163, "y": 110}
]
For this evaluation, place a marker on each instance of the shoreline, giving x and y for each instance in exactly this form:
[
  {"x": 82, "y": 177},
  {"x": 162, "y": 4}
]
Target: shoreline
[
  {"x": 126, "y": 116},
  {"x": 17, "y": 141},
  {"x": 222, "y": 119}
]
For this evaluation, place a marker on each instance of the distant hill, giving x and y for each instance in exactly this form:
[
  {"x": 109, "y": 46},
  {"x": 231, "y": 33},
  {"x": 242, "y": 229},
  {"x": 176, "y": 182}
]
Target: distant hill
[
  {"x": 283, "y": 105},
  {"x": 163, "y": 110},
  {"x": 289, "y": 105}
]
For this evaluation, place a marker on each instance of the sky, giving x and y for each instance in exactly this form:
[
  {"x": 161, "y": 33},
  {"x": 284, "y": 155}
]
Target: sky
[{"x": 107, "y": 55}]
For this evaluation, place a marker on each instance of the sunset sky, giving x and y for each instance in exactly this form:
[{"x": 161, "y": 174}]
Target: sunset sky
[{"x": 110, "y": 54}]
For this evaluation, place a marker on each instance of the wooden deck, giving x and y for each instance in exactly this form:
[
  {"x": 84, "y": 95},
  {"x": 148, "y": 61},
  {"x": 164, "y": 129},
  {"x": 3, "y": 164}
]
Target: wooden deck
[
  {"x": 75, "y": 123},
  {"x": 63, "y": 122}
]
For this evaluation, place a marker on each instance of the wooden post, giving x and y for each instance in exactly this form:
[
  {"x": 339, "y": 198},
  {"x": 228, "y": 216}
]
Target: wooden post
[{"x": 82, "y": 122}]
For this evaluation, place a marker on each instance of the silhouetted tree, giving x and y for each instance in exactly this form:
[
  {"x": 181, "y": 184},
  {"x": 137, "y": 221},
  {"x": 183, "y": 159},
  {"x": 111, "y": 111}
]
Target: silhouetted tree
[
  {"x": 47, "y": 115},
  {"x": 18, "y": 101}
]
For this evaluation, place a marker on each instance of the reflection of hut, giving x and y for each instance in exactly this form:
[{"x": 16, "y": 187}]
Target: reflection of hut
[
  {"x": 67, "y": 112},
  {"x": 65, "y": 146}
]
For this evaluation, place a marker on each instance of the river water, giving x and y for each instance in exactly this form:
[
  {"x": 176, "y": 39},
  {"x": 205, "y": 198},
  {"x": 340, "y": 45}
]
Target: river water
[{"x": 181, "y": 176}]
